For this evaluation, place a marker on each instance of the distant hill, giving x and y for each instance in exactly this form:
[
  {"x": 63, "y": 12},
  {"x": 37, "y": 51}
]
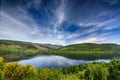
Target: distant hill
[
  {"x": 89, "y": 47},
  {"x": 50, "y": 46},
  {"x": 13, "y": 50},
  {"x": 88, "y": 51},
  {"x": 26, "y": 45}
]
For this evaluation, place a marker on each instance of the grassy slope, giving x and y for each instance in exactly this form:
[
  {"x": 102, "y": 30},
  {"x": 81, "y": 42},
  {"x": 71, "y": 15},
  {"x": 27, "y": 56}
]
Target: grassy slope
[
  {"x": 88, "y": 51},
  {"x": 91, "y": 48},
  {"x": 14, "y": 50}
]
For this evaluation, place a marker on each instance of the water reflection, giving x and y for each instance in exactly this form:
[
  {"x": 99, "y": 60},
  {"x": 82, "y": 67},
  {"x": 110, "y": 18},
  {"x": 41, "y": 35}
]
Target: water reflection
[{"x": 56, "y": 61}]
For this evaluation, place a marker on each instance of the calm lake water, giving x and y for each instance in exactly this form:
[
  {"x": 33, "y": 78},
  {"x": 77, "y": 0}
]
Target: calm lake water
[{"x": 56, "y": 61}]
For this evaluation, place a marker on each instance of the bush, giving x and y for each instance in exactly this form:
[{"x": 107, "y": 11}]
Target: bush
[
  {"x": 1, "y": 59},
  {"x": 14, "y": 71},
  {"x": 96, "y": 72}
]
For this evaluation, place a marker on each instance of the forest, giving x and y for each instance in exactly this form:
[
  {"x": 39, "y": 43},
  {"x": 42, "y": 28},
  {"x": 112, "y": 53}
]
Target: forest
[{"x": 90, "y": 71}]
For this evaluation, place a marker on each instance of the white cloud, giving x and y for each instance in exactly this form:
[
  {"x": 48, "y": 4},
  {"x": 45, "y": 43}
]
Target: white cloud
[
  {"x": 112, "y": 2},
  {"x": 108, "y": 24},
  {"x": 10, "y": 28},
  {"x": 86, "y": 24},
  {"x": 22, "y": 26},
  {"x": 90, "y": 40},
  {"x": 34, "y": 3},
  {"x": 60, "y": 17},
  {"x": 93, "y": 38}
]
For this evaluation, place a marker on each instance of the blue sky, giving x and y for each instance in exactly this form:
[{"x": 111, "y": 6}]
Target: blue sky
[{"x": 60, "y": 22}]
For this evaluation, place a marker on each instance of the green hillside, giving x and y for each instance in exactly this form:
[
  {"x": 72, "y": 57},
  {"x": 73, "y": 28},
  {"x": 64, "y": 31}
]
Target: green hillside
[
  {"x": 88, "y": 51},
  {"x": 15, "y": 50},
  {"x": 91, "y": 48}
]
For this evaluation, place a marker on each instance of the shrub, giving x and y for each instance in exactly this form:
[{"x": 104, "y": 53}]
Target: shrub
[{"x": 14, "y": 71}]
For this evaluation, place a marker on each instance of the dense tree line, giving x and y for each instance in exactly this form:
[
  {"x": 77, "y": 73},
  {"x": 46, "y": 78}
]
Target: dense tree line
[{"x": 90, "y": 71}]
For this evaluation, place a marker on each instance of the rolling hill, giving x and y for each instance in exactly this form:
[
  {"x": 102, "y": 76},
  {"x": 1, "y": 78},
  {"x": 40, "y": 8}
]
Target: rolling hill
[
  {"x": 14, "y": 50},
  {"x": 88, "y": 51},
  {"x": 26, "y": 45},
  {"x": 90, "y": 48}
]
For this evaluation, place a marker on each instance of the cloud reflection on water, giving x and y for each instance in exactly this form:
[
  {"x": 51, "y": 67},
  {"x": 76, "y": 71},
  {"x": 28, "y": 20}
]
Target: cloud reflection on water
[{"x": 56, "y": 61}]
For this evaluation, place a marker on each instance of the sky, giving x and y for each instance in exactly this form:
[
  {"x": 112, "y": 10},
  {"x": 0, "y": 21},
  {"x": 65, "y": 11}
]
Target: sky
[{"x": 60, "y": 22}]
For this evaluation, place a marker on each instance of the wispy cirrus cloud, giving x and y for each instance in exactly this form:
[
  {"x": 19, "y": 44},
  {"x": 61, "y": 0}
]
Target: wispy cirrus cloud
[
  {"x": 93, "y": 38},
  {"x": 112, "y": 2},
  {"x": 12, "y": 28},
  {"x": 60, "y": 22}
]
